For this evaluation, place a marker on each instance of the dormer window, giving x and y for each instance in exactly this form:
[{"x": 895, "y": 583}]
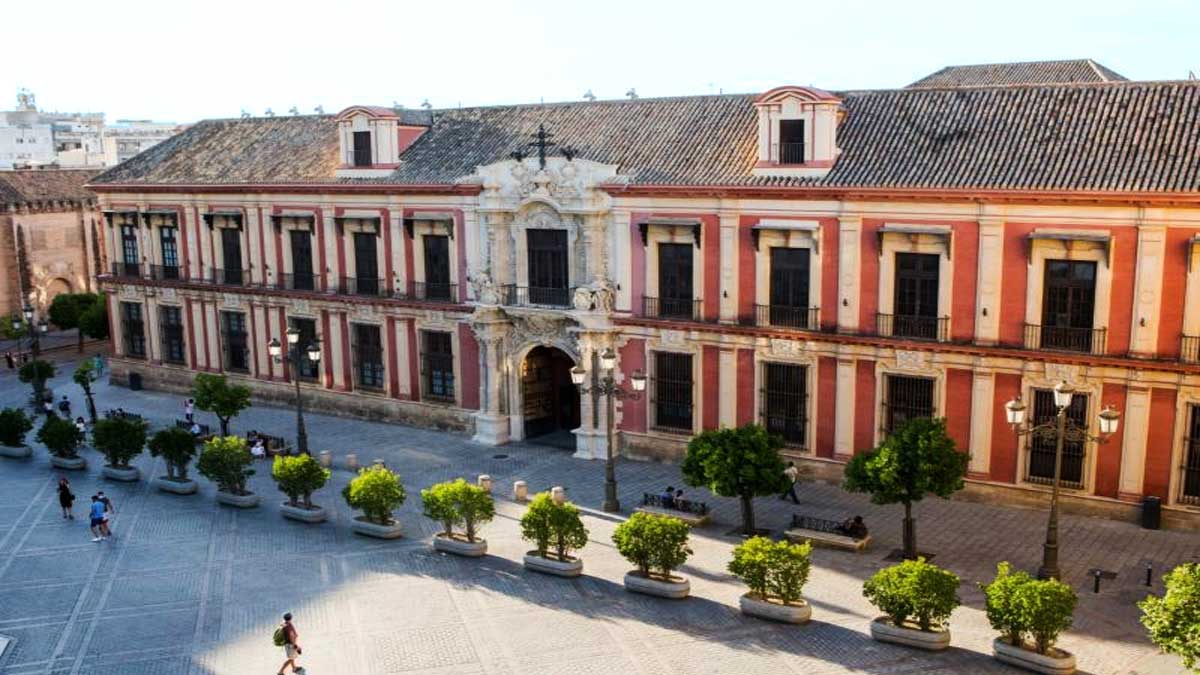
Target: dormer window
[
  {"x": 797, "y": 132},
  {"x": 372, "y": 138}
]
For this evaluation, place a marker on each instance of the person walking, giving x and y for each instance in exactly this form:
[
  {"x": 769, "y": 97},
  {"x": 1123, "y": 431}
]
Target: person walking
[
  {"x": 8, "y": 359},
  {"x": 189, "y": 409},
  {"x": 98, "y": 363},
  {"x": 64, "y": 406},
  {"x": 793, "y": 475},
  {"x": 291, "y": 644},
  {"x": 48, "y": 407},
  {"x": 96, "y": 514},
  {"x": 66, "y": 498},
  {"x": 105, "y": 527}
]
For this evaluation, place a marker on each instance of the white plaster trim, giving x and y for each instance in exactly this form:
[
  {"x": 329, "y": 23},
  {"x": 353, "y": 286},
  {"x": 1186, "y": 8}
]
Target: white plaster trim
[
  {"x": 1184, "y": 400},
  {"x": 787, "y": 238},
  {"x": 910, "y": 242},
  {"x": 886, "y": 367},
  {"x": 808, "y": 361}
]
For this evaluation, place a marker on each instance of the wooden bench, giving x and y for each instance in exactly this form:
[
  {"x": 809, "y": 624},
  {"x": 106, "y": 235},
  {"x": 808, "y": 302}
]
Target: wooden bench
[
  {"x": 275, "y": 445},
  {"x": 693, "y": 513},
  {"x": 112, "y": 414},
  {"x": 824, "y": 533}
]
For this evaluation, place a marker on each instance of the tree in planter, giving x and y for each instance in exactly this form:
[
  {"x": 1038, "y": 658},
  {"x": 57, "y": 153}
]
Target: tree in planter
[
  {"x": 1046, "y": 607},
  {"x": 551, "y": 525},
  {"x": 914, "y": 589},
  {"x": 742, "y": 462},
  {"x": 377, "y": 492},
  {"x": 226, "y": 461},
  {"x": 457, "y": 502},
  {"x": 298, "y": 477},
  {"x": 85, "y": 375},
  {"x": 772, "y": 570},
  {"x": 67, "y": 308},
  {"x": 1000, "y": 602},
  {"x": 177, "y": 447},
  {"x": 60, "y": 437},
  {"x": 917, "y": 459},
  {"x": 119, "y": 439},
  {"x": 93, "y": 322},
  {"x": 657, "y": 545},
  {"x": 36, "y": 373},
  {"x": 216, "y": 395},
  {"x": 1174, "y": 619},
  {"x": 14, "y": 424}
]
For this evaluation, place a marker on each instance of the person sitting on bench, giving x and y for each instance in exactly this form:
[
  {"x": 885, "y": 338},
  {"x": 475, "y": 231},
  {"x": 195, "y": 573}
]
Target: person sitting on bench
[
  {"x": 854, "y": 528},
  {"x": 259, "y": 449},
  {"x": 668, "y": 497}
]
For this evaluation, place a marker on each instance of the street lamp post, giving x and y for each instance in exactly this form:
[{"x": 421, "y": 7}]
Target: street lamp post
[
  {"x": 34, "y": 343},
  {"x": 608, "y": 388},
  {"x": 1061, "y": 430},
  {"x": 295, "y": 353}
]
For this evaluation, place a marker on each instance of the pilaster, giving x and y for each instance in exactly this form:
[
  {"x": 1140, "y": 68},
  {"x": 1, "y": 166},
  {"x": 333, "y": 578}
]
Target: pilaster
[
  {"x": 849, "y": 267},
  {"x": 843, "y": 442},
  {"x": 729, "y": 267},
  {"x": 1147, "y": 298},
  {"x": 983, "y": 393},
  {"x": 987, "y": 294},
  {"x": 1135, "y": 422}
]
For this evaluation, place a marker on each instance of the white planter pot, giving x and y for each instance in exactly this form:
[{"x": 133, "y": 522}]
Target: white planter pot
[
  {"x": 675, "y": 589},
  {"x": 559, "y": 568},
  {"x": 69, "y": 463},
  {"x": 369, "y": 529},
  {"x": 774, "y": 611},
  {"x": 177, "y": 487},
  {"x": 125, "y": 474},
  {"x": 468, "y": 549},
  {"x": 884, "y": 630},
  {"x": 314, "y": 515},
  {"x": 246, "y": 501},
  {"x": 19, "y": 452},
  {"x": 1057, "y": 662}
]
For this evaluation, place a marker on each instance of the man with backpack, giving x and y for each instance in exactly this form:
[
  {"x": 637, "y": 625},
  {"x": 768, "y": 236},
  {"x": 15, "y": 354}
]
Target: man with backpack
[{"x": 286, "y": 636}]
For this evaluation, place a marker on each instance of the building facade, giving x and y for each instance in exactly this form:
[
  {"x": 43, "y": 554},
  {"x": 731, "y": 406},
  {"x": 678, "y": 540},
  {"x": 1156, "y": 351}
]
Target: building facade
[{"x": 827, "y": 264}]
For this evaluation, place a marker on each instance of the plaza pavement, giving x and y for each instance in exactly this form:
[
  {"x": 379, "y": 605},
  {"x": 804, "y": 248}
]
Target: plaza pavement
[{"x": 187, "y": 586}]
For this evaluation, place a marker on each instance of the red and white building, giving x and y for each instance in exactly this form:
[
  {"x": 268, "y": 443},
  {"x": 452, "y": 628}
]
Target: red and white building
[{"x": 826, "y": 263}]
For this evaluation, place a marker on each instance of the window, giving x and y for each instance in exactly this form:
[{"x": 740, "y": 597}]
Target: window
[
  {"x": 1068, "y": 301},
  {"x": 906, "y": 398},
  {"x": 231, "y": 252},
  {"x": 233, "y": 341},
  {"x": 302, "y": 260},
  {"x": 547, "y": 267},
  {"x": 785, "y": 401},
  {"x": 133, "y": 329},
  {"x": 673, "y": 391},
  {"x": 170, "y": 322},
  {"x": 366, "y": 264},
  {"x": 789, "y": 287},
  {"x": 368, "y": 357},
  {"x": 1190, "y": 480},
  {"x": 437, "y": 268},
  {"x": 674, "y": 282},
  {"x": 309, "y": 370},
  {"x": 1042, "y": 450},
  {"x": 362, "y": 148},
  {"x": 170, "y": 252},
  {"x": 437, "y": 366},
  {"x": 791, "y": 141},
  {"x": 129, "y": 249},
  {"x": 915, "y": 310}
]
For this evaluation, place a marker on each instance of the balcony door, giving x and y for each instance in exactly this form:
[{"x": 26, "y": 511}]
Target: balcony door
[
  {"x": 302, "y": 260},
  {"x": 231, "y": 256},
  {"x": 547, "y": 267},
  {"x": 1068, "y": 304},
  {"x": 789, "y": 287},
  {"x": 129, "y": 249},
  {"x": 675, "y": 298},
  {"x": 366, "y": 264},
  {"x": 915, "y": 306},
  {"x": 437, "y": 267},
  {"x": 170, "y": 252}
]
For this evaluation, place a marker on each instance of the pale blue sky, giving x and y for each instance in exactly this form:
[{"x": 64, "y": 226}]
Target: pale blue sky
[{"x": 185, "y": 60}]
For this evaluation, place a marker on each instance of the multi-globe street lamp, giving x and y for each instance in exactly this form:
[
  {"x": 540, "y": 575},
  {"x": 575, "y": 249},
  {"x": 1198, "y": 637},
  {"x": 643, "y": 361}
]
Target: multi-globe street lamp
[
  {"x": 607, "y": 387},
  {"x": 42, "y": 327},
  {"x": 312, "y": 352},
  {"x": 1060, "y": 430}
]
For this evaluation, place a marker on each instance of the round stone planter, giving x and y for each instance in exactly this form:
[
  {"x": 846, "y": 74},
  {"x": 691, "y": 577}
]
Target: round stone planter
[
  {"x": 127, "y": 474},
  {"x": 70, "y": 463},
  {"x": 314, "y": 515},
  {"x": 1057, "y": 662},
  {"x": 369, "y": 529},
  {"x": 468, "y": 549},
  {"x": 554, "y": 566},
  {"x": 246, "y": 501},
  {"x": 800, "y": 612},
  {"x": 883, "y": 630},
  {"x": 175, "y": 486},
  {"x": 19, "y": 452},
  {"x": 676, "y": 588}
]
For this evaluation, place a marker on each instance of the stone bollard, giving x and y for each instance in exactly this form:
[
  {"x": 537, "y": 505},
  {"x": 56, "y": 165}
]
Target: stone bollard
[
  {"x": 520, "y": 491},
  {"x": 558, "y": 494},
  {"x": 485, "y": 482},
  {"x": 352, "y": 462},
  {"x": 326, "y": 458}
]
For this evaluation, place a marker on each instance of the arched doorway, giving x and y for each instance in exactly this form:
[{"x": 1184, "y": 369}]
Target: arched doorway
[
  {"x": 55, "y": 288},
  {"x": 551, "y": 401}
]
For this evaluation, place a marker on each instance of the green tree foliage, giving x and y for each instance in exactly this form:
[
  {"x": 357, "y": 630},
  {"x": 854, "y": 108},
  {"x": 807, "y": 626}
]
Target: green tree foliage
[
  {"x": 771, "y": 569},
  {"x": 917, "y": 459},
  {"x": 36, "y": 373},
  {"x": 11, "y": 333},
  {"x": 177, "y": 447},
  {"x": 67, "y": 309},
  {"x": 93, "y": 321},
  {"x": 119, "y": 439},
  {"x": 84, "y": 376},
  {"x": 1174, "y": 619},
  {"x": 438, "y": 506},
  {"x": 298, "y": 477},
  {"x": 914, "y": 588},
  {"x": 60, "y": 437},
  {"x": 657, "y": 545},
  {"x": 1001, "y": 603},
  {"x": 1046, "y": 608},
  {"x": 742, "y": 462},
  {"x": 225, "y": 460},
  {"x": 456, "y": 502},
  {"x": 216, "y": 395},
  {"x": 376, "y": 491},
  {"x": 549, "y": 525},
  {"x": 14, "y": 424}
]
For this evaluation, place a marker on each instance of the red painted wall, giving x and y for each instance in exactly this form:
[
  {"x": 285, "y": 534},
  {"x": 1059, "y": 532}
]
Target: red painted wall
[
  {"x": 710, "y": 374},
  {"x": 414, "y": 362},
  {"x": 1108, "y": 454},
  {"x": 1124, "y": 272},
  {"x": 745, "y": 386},
  {"x": 829, "y": 278},
  {"x": 468, "y": 366},
  {"x": 958, "y": 406},
  {"x": 1159, "y": 442},
  {"x": 864, "y": 405},
  {"x": 1014, "y": 265},
  {"x": 637, "y": 266},
  {"x": 966, "y": 277},
  {"x": 747, "y": 282},
  {"x": 1174, "y": 287},
  {"x": 633, "y": 358},
  {"x": 1003, "y": 466},
  {"x": 393, "y": 359},
  {"x": 826, "y": 410},
  {"x": 868, "y": 278},
  {"x": 710, "y": 242}
]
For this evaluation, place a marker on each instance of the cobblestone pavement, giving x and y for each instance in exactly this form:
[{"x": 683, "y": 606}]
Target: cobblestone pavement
[{"x": 187, "y": 586}]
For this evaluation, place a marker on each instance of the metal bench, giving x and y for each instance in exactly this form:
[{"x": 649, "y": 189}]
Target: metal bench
[
  {"x": 693, "y": 513},
  {"x": 824, "y": 533},
  {"x": 205, "y": 430}
]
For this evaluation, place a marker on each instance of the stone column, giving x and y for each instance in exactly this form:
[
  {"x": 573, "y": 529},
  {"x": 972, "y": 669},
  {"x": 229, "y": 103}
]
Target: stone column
[
  {"x": 1151, "y": 248},
  {"x": 983, "y": 403},
  {"x": 987, "y": 299},
  {"x": 1135, "y": 428},
  {"x": 729, "y": 267},
  {"x": 843, "y": 443},
  {"x": 593, "y": 412},
  {"x": 491, "y": 427}
]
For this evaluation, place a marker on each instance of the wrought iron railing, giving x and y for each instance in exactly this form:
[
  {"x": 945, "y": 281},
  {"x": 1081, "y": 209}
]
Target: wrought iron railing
[
  {"x": 685, "y": 309},
  {"x": 433, "y": 292},
  {"x": 536, "y": 296},
  {"x": 1065, "y": 338},
  {"x": 229, "y": 277},
  {"x": 296, "y": 281},
  {"x": 1189, "y": 349},
  {"x": 127, "y": 270},
  {"x": 165, "y": 272},
  {"x": 791, "y": 153},
  {"x": 783, "y": 316},
  {"x": 936, "y": 328},
  {"x": 362, "y": 286}
]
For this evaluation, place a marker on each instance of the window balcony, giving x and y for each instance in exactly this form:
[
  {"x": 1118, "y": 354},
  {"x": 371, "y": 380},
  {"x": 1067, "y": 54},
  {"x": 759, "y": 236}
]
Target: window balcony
[
  {"x": 165, "y": 273},
  {"x": 296, "y": 281},
  {"x": 677, "y": 309},
  {"x": 1189, "y": 349},
  {"x": 783, "y": 316},
  {"x": 791, "y": 153},
  {"x": 127, "y": 270},
  {"x": 229, "y": 277},
  {"x": 534, "y": 296},
  {"x": 376, "y": 288},
  {"x": 933, "y": 328},
  {"x": 1065, "y": 338},
  {"x": 433, "y": 292}
]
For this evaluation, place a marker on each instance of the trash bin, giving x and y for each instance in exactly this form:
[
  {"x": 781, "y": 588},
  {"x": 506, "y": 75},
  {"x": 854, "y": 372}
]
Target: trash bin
[
  {"x": 135, "y": 381},
  {"x": 1151, "y": 513}
]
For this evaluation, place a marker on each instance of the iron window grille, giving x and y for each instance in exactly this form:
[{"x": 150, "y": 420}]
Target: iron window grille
[
  {"x": 785, "y": 402},
  {"x": 673, "y": 391},
  {"x": 437, "y": 366},
  {"x": 1040, "y": 467},
  {"x": 236, "y": 350},
  {"x": 306, "y": 369},
  {"x": 906, "y": 398},
  {"x": 1189, "y": 349},
  {"x": 134, "y": 330},
  {"x": 1189, "y": 484},
  {"x": 368, "y": 357},
  {"x": 171, "y": 326}
]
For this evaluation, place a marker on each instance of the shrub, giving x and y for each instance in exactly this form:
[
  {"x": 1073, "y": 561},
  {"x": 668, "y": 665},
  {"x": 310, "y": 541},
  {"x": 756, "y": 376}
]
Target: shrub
[
  {"x": 377, "y": 492},
  {"x": 457, "y": 502},
  {"x": 656, "y": 544},
  {"x": 214, "y": 394},
  {"x": 60, "y": 437},
  {"x": 36, "y": 372},
  {"x": 1173, "y": 619},
  {"x": 439, "y": 505},
  {"x": 119, "y": 439},
  {"x": 226, "y": 461},
  {"x": 550, "y": 525},
  {"x": 177, "y": 447},
  {"x": 772, "y": 569},
  {"x": 14, "y": 424},
  {"x": 1000, "y": 602},
  {"x": 298, "y": 477},
  {"x": 1046, "y": 608},
  {"x": 914, "y": 588}
]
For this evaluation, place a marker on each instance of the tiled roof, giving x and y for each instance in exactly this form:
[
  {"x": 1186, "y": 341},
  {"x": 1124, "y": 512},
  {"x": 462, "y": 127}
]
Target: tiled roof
[
  {"x": 1122, "y": 136},
  {"x": 1030, "y": 72},
  {"x": 42, "y": 185}
]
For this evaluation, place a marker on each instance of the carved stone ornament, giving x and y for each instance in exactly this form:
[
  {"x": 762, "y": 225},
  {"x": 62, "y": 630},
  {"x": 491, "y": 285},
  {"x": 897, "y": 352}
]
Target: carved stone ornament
[
  {"x": 301, "y": 307},
  {"x": 543, "y": 329},
  {"x": 786, "y": 347},
  {"x": 130, "y": 292},
  {"x": 568, "y": 183},
  {"x": 911, "y": 360},
  {"x": 672, "y": 337},
  {"x": 169, "y": 293},
  {"x": 1062, "y": 372},
  {"x": 486, "y": 291}
]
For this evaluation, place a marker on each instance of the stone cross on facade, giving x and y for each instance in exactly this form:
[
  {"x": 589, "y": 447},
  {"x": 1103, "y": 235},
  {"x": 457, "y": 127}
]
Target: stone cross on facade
[{"x": 541, "y": 142}]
